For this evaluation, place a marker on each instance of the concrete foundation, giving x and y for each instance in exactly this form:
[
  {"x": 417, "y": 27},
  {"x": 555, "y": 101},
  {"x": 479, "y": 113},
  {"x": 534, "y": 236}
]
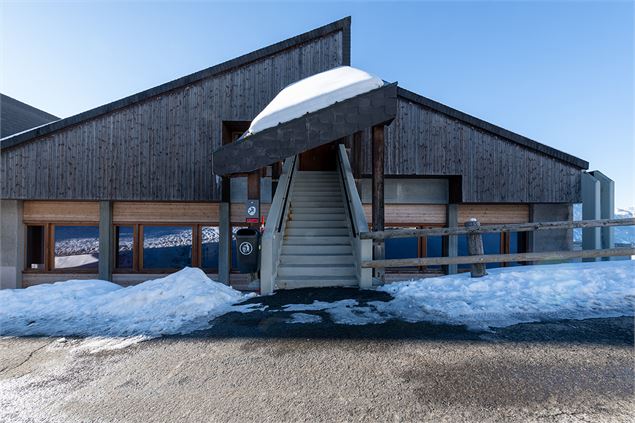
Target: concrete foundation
[
  {"x": 12, "y": 248},
  {"x": 550, "y": 240}
]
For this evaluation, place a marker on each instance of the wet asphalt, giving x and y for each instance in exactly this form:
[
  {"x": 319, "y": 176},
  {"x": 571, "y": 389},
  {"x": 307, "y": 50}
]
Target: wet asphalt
[{"x": 257, "y": 367}]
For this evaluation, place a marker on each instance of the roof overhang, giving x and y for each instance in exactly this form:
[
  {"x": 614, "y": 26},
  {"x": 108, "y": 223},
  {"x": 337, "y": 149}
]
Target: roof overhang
[{"x": 287, "y": 139}]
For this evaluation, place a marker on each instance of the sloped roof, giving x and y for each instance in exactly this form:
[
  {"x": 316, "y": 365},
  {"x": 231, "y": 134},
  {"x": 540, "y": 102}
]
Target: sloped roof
[
  {"x": 16, "y": 116},
  {"x": 340, "y": 25}
]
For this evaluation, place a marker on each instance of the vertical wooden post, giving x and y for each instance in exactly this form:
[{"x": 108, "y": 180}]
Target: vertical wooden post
[
  {"x": 224, "y": 232},
  {"x": 378, "y": 193},
  {"x": 106, "y": 253},
  {"x": 452, "y": 244},
  {"x": 475, "y": 247},
  {"x": 356, "y": 160}
]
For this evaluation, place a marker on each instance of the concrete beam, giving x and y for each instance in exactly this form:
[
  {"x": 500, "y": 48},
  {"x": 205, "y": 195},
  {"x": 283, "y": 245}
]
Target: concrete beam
[
  {"x": 106, "y": 241},
  {"x": 12, "y": 244}
]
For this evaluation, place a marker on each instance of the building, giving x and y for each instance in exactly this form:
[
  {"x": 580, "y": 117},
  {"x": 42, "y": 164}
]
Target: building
[{"x": 154, "y": 182}]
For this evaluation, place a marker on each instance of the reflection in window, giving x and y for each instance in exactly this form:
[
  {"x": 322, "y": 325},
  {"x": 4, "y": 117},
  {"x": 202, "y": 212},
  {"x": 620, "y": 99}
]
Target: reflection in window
[
  {"x": 124, "y": 246},
  {"x": 434, "y": 248},
  {"x": 35, "y": 247},
  {"x": 400, "y": 248},
  {"x": 167, "y": 247},
  {"x": 76, "y": 247},
  {"x": 209, "y": 249}
]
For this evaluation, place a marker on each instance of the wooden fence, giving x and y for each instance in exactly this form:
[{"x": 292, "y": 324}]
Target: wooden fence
[{"x": 478, "y": 259}]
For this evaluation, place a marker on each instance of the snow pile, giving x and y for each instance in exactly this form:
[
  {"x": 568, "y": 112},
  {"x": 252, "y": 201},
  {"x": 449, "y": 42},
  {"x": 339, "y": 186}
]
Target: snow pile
[
  {"x": 314, "y": 93},
  {"x": 180, "y": 303},
  {"x": 515, "y": 295}
]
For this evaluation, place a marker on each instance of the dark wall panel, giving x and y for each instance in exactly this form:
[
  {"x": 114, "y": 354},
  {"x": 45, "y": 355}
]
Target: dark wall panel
[
  {"x": 421, "y": 141},
  {"x": 160, "y": 148}
]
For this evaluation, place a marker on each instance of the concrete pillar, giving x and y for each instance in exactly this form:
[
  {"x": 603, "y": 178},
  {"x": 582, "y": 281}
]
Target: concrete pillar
[
  {"x": 12, "y": 244},
  {"x": 224, "y": 243},
  {"x": 453, "y": 240},
  {"x": 106, "y": 241},
  {"x": 607, "y": 208},
  {"x": 591, "y": 210}
]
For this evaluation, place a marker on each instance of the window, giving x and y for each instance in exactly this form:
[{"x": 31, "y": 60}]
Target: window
[
  {"x": 76, "y": 247},
  {"x": 434, "y": 248},
  {"x": 209, "y": 247},
  {"x": 400, "y": 248},
  {"x": 124, "y": 245},
  {"x": 35, "y": 247},
  {"x": 167, "y": 247}
]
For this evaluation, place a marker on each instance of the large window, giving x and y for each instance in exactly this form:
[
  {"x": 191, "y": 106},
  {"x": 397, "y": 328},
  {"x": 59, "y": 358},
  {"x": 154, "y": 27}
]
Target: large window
[
  {"x": 76, "y": 247},
  {"x": 209, "y": 247},
  {"x": 401, "y": 248},
  {"x": 167, "y": 247}
]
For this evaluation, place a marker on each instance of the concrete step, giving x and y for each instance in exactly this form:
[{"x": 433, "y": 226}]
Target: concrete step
[
  {"x": 317, "y": 216},
  {"x": 316, "y": 249},
  {"x": 316, "y": 270},
  {"x": 313, "y": 210},
  {"x": 316, "y": 224},
  {"x": 325, "y": 203},
  {"x": 317, "y": 259},
  {"x": 316, "y": 240},
  {"x": 343, "y": 231},
  {"x": 318, "y": 282}
]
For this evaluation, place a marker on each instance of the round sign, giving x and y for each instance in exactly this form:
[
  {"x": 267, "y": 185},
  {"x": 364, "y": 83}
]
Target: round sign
[
  {"x": 251, "y": 211},
  {"x": 245, "y": 248}
]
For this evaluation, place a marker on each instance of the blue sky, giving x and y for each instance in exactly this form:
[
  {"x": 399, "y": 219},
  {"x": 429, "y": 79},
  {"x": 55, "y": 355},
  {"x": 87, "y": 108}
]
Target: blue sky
[{"x": 559, "y": 72}]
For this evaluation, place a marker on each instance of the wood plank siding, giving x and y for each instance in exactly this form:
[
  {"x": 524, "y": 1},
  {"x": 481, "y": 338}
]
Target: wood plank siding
[
  {"x": 160, "y": 149},
  {"x": 423, "y": 141}
]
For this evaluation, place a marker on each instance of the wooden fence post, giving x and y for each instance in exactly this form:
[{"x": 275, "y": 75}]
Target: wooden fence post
[{"x": 475, "y": 248}]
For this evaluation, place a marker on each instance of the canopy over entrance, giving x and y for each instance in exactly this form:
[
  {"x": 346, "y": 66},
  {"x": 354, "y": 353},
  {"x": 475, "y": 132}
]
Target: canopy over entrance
[{"x": 309, "y": 113}]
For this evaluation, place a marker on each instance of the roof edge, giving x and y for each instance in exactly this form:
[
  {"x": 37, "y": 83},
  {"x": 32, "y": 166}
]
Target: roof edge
[
  {"x": 343, "y": 25},
  {"x": 494, "y": 129}
]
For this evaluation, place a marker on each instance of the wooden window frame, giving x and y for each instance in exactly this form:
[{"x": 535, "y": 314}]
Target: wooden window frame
[
  {"x": 49, "y": 249},
  {"x": 137, "y": 247}
]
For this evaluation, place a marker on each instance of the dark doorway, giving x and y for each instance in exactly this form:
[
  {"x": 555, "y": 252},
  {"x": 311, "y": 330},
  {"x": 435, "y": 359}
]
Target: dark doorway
[{"x": 319, "y": 158}]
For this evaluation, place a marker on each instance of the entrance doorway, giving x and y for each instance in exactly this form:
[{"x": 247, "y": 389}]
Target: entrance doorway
[{"x": 319, "y": 158}]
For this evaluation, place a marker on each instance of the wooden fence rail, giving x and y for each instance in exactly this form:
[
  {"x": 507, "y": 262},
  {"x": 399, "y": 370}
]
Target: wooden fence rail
[
  {"x": 475, "y": 244},
  {"x": 515, "y": 227},
  {"x": 500, "y": 258}
]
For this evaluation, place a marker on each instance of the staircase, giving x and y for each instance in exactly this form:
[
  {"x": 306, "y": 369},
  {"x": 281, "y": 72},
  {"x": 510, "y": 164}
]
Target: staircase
[{"x": 316, "y": 248}]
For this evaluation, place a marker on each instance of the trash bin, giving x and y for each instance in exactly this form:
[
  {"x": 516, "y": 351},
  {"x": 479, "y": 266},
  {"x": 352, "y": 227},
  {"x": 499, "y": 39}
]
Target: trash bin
[{"x": 247, "y": 250}]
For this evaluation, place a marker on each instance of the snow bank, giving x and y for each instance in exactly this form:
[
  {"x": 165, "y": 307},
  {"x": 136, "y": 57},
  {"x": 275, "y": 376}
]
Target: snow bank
[
  {"x": 314, "y": 93},
  {"x": 515, "y": 295},
  {"x": 180, "y": 303}
]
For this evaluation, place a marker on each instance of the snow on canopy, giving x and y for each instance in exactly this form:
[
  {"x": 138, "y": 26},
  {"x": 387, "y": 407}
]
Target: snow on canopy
[{"x": 314, "y": 93}]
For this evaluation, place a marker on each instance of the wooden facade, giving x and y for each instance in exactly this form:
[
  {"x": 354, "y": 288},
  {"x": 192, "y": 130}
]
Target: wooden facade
[
  {"x": 423, "y": 141},
  {"x": 160, "y": 148},
  {"x": 157, "y": 145}
]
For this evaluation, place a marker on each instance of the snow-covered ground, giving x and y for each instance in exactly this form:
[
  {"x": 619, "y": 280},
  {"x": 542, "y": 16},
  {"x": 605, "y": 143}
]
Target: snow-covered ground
[
  {"x": 188, "y": 300},
  {"x": 504, "y": 297},
  {"x": 180, "y": 303}
]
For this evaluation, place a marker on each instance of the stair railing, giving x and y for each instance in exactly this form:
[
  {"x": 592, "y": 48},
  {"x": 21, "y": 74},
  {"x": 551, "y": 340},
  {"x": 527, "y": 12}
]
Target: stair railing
[
  {"x": 275, "y": 226},
  {"x": 362, "y": 248}
]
